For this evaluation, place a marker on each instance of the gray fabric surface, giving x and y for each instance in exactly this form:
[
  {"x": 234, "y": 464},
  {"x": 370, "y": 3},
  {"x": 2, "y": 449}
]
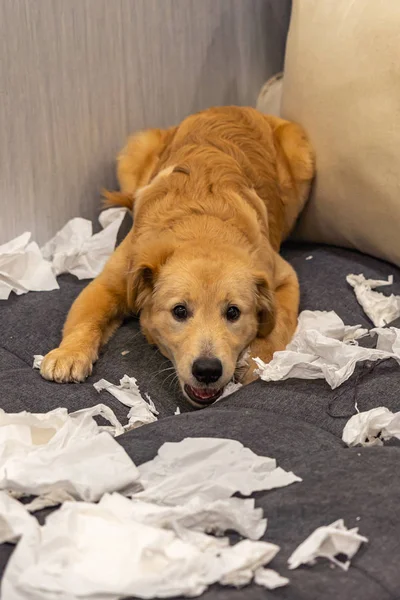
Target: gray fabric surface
[{"x": 287, "y": 420}]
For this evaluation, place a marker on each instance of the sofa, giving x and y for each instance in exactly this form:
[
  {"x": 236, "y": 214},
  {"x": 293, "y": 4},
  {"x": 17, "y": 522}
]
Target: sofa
[{"x": 298, "y": 422}]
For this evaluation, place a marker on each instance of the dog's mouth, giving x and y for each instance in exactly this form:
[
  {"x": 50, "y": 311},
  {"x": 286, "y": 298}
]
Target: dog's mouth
[{"x": 202, "y": 396}]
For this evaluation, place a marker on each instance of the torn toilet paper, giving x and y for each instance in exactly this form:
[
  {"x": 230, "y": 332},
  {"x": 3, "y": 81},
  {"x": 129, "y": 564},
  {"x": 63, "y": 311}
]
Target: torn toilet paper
[
  {"x": 381, "y": 309},
  {"x": 127, "y": 392},
  {"x": 216, "y": 516},
  {"x": 37, "y": 361},
  {"x": 241, "y": 561},
  {"x": 208, "y": 468},
  {"x": 372, "y": 427},
  {"x": 328, "y": 542},
  {"x": 269, "y": 578},
  {"x": 324, "y": 348},
  {"x": 57, "y": 455},
  {"x": 14, "y": 519},
  {"x": 230, "y": 389},
  {"x": 23, "y": 268},
  {"x": 152, "y": 549},
  {"x": 92, "y": 550},
  {"x": 74, "y": 249},
  {"x": 388, "y": 339},
  {"x": 51, "y": 498},
  {"x": 392, "y": 429},
  {"x": 330, "y": 324}
]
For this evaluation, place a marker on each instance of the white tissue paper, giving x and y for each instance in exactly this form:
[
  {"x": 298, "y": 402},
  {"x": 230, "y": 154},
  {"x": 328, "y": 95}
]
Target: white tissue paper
[
  {"x": 372, "y": 427},
  {"x": 98, "y": 550},
  {"x": 324, "y": 348},
  {"x": 52, "y": 498},
  {"x": 381, "y": 309},
  {"x": 14, "y": 519},
  {"x": 328, "y": 542},
  {"x": 141, "y": 411},
  {"x": 392, "y": 429},
  {"x": 329, "y": 324},
  {"x": 23, "y": 268},
  {"x": 37, "y": 361},
  {"x": 121, "y": 547},
  {"x": 241, "y": 561},
  {"x": 74, "y": 249},
  {"x": 216, "y": 516},
  {"x": 210, "y": 469},
  {"x": 57, "y": 456},
  {"x": 388, "y": 339},
  {"x": 269, "y": 578},
  {"x": 230, "y": 389}
]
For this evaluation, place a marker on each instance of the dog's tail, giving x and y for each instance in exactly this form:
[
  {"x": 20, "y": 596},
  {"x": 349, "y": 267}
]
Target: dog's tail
[{"x": 117, "y": 199}]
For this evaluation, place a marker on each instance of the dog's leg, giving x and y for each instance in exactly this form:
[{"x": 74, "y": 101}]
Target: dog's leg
[
  {"x": 295, "y": 164},
  {"x": 93, "y": 318},
  {"x": 287, "y": 297},
  {"x": 101, "y": 306}
]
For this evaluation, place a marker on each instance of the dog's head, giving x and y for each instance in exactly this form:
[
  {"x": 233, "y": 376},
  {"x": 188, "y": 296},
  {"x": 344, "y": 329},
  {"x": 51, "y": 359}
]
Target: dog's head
[{"x": 202, "y": 307}]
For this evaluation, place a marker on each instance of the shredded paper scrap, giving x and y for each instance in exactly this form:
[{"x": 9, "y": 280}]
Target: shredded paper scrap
[
  {"x": 127, "y": 392},
  {"x": 372, "y": 427},
  {"x": 59, "y": 456},
  {"x": 324, "y": 348},
  {"x": 381, "y": 309},
  {"x": 328, "y": 542},
  {"x": 74, "y": 249},
  {"x": 23, "y": 268}
]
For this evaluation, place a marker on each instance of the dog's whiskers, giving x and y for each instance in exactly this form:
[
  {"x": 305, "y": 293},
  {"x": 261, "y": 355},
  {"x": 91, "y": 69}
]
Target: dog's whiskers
[
  {"x": 158, "y": 372},
  {"x": 175, "y": 381},
  {"x": 168, "y": 376}
]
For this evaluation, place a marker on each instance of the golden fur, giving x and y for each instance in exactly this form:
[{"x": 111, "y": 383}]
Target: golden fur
[{"x": 212, "y": 201}]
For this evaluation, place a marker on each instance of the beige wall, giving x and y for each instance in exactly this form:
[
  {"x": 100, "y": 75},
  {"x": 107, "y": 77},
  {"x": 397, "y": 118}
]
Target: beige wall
[{"x": 76, "y": 76}]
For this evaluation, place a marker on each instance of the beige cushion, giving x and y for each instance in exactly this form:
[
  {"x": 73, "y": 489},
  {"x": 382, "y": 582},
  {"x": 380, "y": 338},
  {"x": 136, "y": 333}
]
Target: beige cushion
[{"x": 342, "y": 83}]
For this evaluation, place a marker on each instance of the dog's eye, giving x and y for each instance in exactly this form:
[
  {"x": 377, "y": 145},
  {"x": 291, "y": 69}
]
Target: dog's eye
[
  {"x": 180, "y": 312},
  {"x": 233, "y": 313}
]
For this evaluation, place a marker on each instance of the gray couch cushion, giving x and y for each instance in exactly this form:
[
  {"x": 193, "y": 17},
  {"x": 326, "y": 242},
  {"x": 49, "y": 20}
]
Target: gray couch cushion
[
  {"x": 32, "y": 324},
  {"x": 287, "y": 420}
]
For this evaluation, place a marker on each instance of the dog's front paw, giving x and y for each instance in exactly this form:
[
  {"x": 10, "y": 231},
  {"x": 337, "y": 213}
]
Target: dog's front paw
[{"x": 63, "y": 365}]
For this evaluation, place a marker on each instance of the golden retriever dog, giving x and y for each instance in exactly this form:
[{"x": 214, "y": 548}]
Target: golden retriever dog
[{"x": 212, "y": 200}]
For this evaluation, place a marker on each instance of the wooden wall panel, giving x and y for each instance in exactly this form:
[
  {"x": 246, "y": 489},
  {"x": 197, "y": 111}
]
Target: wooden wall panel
[{"x": 76, "y": 76}]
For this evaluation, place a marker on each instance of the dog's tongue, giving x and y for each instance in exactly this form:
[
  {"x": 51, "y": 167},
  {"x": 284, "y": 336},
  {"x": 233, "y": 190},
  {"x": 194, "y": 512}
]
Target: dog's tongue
[{"x": 202, "y": 393}]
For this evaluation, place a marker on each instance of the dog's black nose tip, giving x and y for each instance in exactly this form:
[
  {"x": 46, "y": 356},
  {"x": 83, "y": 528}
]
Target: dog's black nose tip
[{"x": 207, "y": 370}]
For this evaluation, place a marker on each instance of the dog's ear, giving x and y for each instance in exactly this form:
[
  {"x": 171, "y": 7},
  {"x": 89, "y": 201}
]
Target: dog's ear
[
  {"x": 140, "y": 286},
  {"x": 265, "y": 305},
  {"x": 146, "y": 266}
]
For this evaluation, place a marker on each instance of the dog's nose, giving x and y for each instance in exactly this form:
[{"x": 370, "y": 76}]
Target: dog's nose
[{"x": 207, "y": 370}]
